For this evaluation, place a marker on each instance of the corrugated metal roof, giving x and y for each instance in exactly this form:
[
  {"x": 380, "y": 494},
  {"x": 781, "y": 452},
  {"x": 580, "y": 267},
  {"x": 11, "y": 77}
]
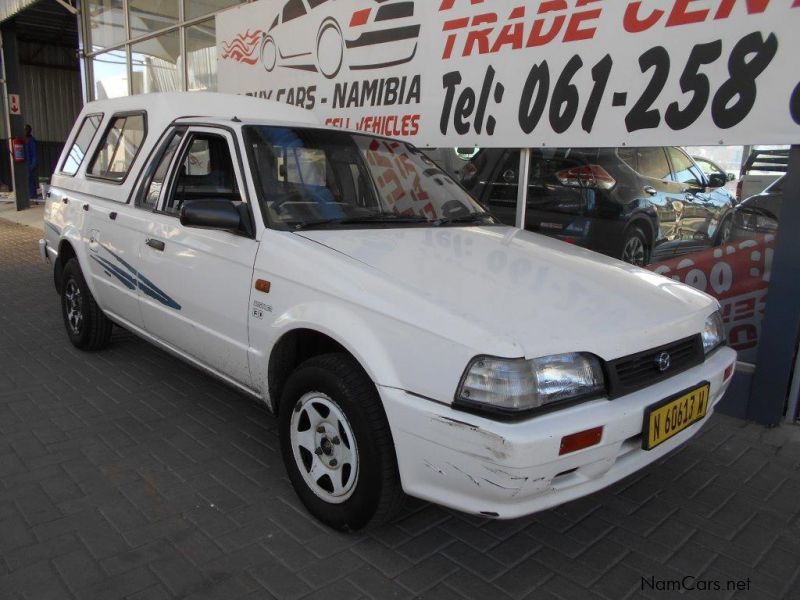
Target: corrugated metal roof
[
  {"x": 47, "y": 21},
  {"x": 8, "y": 8}
]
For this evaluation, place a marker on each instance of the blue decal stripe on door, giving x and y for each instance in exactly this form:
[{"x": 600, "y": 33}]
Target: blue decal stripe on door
[{"x": 147, "y": 286}]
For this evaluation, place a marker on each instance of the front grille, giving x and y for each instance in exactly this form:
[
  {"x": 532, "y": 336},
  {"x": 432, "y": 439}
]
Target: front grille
[{"x": 631, "y": 373}]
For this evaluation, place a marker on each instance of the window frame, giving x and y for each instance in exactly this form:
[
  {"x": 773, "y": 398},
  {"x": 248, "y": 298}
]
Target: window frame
[
  {"x": 109, "y": 126},
  {"x": 74, "y": 139},
  {"x": 702, "y": 184},
  {"x": 145, "y": 177},
  {"x": 669, "y": 178},
  {"x": 236, "y": 159}
]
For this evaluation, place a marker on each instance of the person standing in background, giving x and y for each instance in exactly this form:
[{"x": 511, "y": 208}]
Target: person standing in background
[{"x": 32, "y": 160}]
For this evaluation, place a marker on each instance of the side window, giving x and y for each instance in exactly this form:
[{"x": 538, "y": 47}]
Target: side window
[
  {"x": 80, "y": 145},
  {"x": 685, "y": 171},
  {"x": 293, "y": 9},
  {"x": 118, "y": 147},
  {"x": 630, "y": 156},
  {"x": 149, "y": 194},
  {"x": 653, "y": 163},
  {"x": 506, "y": 181},
  {"x": 206, "y": 172}
]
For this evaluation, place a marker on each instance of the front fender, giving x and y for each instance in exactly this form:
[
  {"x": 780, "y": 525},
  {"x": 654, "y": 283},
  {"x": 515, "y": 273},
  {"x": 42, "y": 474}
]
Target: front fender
[{"x": 392, "y": 353}]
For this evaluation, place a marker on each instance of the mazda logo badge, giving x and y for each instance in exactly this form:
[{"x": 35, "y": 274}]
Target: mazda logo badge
[{"x": 663, "y": 361}]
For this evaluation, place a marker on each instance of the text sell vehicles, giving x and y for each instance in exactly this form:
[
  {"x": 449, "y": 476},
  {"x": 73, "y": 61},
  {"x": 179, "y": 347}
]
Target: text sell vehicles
[{"x": 406, "y": 340}]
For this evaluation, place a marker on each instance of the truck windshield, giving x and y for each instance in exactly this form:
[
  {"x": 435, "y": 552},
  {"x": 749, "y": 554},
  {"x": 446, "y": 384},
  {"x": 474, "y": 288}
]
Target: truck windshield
[{"x": 310, "y": 178}]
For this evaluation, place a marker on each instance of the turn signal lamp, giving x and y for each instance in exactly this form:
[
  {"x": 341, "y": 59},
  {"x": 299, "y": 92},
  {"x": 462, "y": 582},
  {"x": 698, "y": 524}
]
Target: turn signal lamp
[{"x": 580, "y": 440}]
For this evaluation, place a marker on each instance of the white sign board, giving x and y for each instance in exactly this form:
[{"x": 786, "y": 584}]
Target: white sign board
[
  {"x": 517, "y": 73},
  {"x": 14, "y": 107}
]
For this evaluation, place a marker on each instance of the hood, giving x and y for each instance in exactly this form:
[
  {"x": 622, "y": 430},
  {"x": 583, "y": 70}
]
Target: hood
[{"x": 541, "y": 294}]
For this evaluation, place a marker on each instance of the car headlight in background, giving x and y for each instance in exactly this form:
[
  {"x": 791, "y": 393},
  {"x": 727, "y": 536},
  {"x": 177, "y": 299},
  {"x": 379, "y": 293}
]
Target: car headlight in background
[
  {"x": 713, "y": 332},
  {"x": 518, "y": 385}
]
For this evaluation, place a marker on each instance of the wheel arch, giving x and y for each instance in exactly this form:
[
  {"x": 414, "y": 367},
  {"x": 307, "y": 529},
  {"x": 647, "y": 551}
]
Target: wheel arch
[
  {"x": 645, "y": 223},
  {"x": 297, "y": 345},
  {"x": 66, "y": 251}
]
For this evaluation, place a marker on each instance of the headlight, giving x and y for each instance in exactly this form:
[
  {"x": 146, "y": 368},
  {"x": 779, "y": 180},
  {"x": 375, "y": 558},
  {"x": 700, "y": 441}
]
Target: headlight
[
  {"x": 713, "y": 332},
  {"x": 516, "y": 385}
]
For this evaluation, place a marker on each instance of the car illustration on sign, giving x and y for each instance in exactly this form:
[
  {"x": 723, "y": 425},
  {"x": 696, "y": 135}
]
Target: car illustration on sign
[{"x": 380, "y": 33}]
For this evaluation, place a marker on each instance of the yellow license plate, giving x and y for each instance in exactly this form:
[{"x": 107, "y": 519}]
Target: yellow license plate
[{"x": 671, "y": 416}]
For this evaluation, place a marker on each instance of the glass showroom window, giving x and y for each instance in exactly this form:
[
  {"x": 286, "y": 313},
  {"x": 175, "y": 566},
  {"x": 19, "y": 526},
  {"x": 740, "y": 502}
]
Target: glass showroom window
[
  {"x": 110, "y": 70},
  {"x": 201, "y": 57},
  {"x": 665, "y": 209},
  {"x": 106, "y": 22},
  {"x": 148, "y": 16},
  {"x": 198, "y": 8},
  {"x": 154, "y": 63}
]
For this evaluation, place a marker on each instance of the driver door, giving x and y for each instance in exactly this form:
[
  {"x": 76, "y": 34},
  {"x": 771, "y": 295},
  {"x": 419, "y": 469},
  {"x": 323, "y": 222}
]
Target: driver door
[{"x": 202, "y": 308}]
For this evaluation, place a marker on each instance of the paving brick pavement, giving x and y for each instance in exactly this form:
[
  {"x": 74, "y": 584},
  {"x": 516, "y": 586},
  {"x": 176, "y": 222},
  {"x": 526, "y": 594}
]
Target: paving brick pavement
[{"x": 128, "y": 474}]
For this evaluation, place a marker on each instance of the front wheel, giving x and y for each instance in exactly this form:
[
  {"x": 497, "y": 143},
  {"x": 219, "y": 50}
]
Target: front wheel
[
  {"x": 87, "y": 327},
  {"x": 635, "y": 248},
  {"x": 336, "y": 444}
]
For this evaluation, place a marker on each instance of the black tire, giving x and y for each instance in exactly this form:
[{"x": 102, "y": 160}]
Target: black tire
[
  {"x": 377, "y": 494},
  {"x": 725, "y": 232},
  {"x": 635, "y": 247},
  {"x": 87, "y": 327}
]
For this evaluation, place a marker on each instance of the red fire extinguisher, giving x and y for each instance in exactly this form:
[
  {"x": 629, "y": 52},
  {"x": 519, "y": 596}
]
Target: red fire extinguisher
[{"x": 18, "y": 150}]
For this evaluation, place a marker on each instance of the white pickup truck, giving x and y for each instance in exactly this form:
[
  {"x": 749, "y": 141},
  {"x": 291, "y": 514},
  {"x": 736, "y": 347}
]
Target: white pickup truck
[{"x": 406, "y": 340}]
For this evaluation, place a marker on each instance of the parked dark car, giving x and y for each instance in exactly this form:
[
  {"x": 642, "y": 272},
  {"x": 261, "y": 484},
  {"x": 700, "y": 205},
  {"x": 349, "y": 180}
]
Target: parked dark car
[
  {"x": 759, "y": 213},
  {"x": 637, "y": 204}
]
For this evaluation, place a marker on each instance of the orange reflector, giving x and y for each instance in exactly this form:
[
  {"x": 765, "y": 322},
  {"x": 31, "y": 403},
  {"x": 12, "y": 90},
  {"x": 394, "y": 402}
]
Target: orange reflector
[
  {"x": 360, "y": 17},
  {"x": 262, "y": 285},
  {"x": 580, "y": 440},
  {"x": 728, "y": 372}
]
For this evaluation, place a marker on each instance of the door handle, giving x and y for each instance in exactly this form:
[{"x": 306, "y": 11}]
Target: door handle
[
  {"x": 650, "y": 190},
  {"x": 112, "y": 216},
  {"x": 65, "y": 200},
  {"x": 155, "y": 244}
]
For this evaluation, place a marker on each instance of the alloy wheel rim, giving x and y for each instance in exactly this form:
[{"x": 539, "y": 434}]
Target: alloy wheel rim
[
  {"x": 324, "y": 447},
  {"x": 74, "y": 306},
  {"x": 634, "y": 252}
]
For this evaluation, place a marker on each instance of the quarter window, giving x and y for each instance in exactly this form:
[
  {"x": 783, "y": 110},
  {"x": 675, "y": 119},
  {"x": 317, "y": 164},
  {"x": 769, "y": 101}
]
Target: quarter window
[
  {"x": 119, "y": 147},
  {"x": 148, "y": 197},
  {"x": 81, "y": 144}
]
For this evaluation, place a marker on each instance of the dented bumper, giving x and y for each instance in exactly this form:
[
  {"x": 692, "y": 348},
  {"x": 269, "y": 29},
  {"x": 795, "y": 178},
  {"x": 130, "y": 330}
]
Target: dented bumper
[{"x": 510, "y": 469}]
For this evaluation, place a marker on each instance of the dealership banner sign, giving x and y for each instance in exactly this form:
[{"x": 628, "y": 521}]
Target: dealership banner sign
[{"x": 520, "y": 73}]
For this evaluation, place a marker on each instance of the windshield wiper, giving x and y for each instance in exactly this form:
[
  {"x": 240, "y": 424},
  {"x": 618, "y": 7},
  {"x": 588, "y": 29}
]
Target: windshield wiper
[
  {"x": 475, "y": 217},
  {"x": 367, "y": 219}
]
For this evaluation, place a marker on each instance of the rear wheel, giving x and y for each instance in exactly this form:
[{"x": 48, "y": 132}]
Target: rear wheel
[
  {"x": 87, "y": 327},
  {"x": 635, "y": 247},
  {"x": 336, "y": 444}
]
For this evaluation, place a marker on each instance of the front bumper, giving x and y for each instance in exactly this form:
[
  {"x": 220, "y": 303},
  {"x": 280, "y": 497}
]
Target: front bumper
[{"x": 508, "y": 470}]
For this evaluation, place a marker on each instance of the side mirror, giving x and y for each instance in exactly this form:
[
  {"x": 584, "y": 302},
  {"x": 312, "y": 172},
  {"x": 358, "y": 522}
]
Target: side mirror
[
  {"x": 717, "y": 180},
  {"x": 211, "y": 214}
]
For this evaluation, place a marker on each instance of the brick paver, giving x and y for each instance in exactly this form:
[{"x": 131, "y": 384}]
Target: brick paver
[{"x": 128, "y": 474}]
